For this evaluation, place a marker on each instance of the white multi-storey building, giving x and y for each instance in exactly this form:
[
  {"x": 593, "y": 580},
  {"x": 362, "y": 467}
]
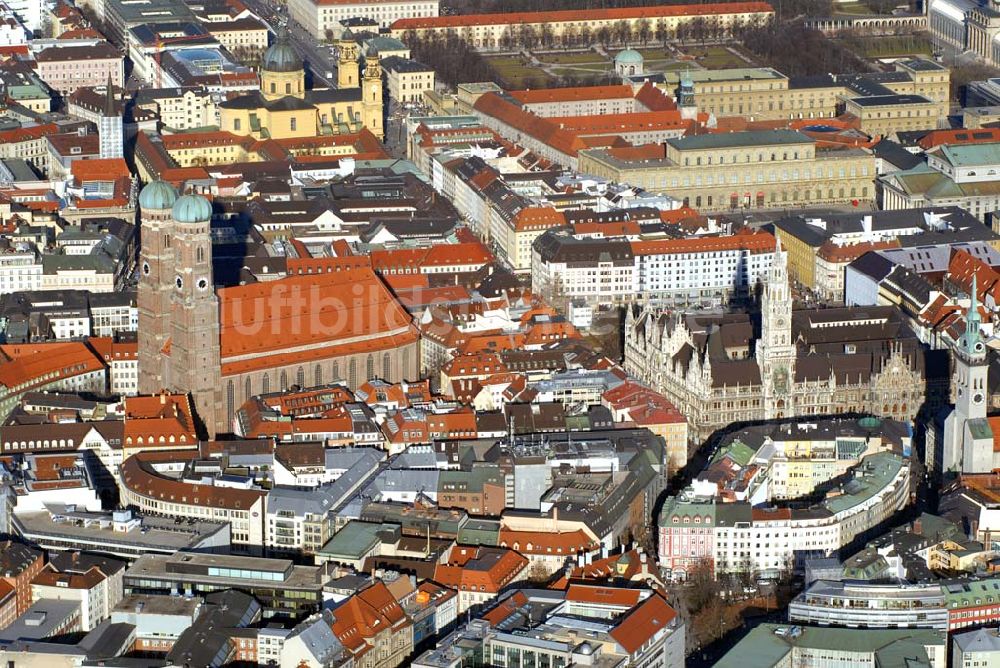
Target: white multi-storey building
[
  {"x": 20, "y": 270},
  {"x": 318, "y": 16},
  {"x": 735, "y": 537},
  {"x": 599, "y": 270}
]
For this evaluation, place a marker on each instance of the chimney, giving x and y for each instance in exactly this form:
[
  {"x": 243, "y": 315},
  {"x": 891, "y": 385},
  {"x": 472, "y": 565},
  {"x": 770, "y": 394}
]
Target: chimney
[{"x": 163, "y": 398}]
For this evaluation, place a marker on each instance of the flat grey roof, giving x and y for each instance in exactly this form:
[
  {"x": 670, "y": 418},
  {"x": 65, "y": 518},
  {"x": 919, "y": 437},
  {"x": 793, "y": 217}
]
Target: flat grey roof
[
  {"x": 739, "y": 139},
  {"x": 886, "y": 100}
]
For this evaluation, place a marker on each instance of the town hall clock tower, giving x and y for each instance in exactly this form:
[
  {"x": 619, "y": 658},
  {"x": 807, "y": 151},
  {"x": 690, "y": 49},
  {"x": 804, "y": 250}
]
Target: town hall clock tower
[{"x": 775, "y": 349}]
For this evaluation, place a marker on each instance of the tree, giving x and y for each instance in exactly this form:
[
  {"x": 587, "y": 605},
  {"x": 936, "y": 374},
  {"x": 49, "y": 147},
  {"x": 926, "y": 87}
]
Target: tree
[
  {"x": 538, "y": 573},
  {"x": 546, "y": 36},
  {"x": 701, "y": 585},
  {"x": 698, "y": 28},
  {"x": 570, "y": 35},
  {"x": 528, "y": 36},
  {"x": 643, "y": 31},
  {"x": 746, "y": 574},
  {"x": 507, "y": 38},
  {"x": 622, "y": 32},
  {"x": 662, "y": 33},
  {"x": 603, "y": 35},
  {"x": 962, "y": 75}
]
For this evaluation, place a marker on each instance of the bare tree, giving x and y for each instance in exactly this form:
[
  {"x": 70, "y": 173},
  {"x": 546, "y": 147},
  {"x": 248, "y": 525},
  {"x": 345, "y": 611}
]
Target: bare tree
[
  {"x": 662, "y": 33},
  {"x": 546, "y": 36},
  {"x": 622, "y": 32},
  {"x": 643, "y": 31},
  {"x": 603, "y": 35}
]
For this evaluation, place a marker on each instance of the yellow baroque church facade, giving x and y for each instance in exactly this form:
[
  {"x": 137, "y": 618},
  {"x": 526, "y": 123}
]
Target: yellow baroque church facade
[{"x": 284, "y": 109}]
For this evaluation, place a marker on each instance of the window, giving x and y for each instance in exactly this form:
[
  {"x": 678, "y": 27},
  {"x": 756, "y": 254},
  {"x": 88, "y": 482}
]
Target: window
[
  {"x": 292, "y": 122},
  {"x": 288, "y": 89},
  {"x": 237, "y": 124}
]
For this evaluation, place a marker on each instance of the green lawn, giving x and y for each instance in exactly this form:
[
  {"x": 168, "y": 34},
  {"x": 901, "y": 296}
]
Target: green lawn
[
  {"x": 674, "y": 66},
  {"x": 584, "y": 58},
  {"x": 716, "y": 58},
  {"x": 582, "y": 71},
  {"x": 853, "y": 8},
  {"x": 656, "y": 53},
  {"x": 515, "y": 73}
]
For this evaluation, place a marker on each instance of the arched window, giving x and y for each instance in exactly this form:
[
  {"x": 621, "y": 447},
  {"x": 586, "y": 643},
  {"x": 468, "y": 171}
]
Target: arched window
[
  {"x": 336, "y": 373},
  {"x": 247, "y": 390},
  {"x": 386, "y": 367},
  {"x": 352, "y": 373},
  {"x": 265, "y": 385},
  {"x": 201, "y": 254},
  {"x": 370, "y": 367},
  {"x": 300, "y": 377},
  {"x": 406, "y": 364},
  {"x": 284, "y": 381},
  {"x": 230, "y": 399},
  {"x": 318, "y": 375}
]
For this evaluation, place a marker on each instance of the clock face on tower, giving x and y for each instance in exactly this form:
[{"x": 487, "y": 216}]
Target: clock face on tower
[{"x": 145, "y": 269}]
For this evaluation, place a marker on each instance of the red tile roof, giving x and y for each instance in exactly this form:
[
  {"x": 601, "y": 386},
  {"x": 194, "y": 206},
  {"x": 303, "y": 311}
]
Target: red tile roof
[
  {"x": 963, "y": 266},
  {"x": 581, "y": 15},
  {"x": 571, "y": 94},
  {"x": 160, "y": 419},
  {"x": 309, "y": 317},
  {"x": 438, "y": 255},
  {"x": 612, "y": 596},
  {"x": 99, "y": 169},
  {"x": 977, "y": 136},
  {"x": 27, "y": 134},
  {"x": 482, "y": 569},
  {"x": 521, "y": 119},
  {"x": 755, "y": 242},
  {"x": 538, "y": 218},
  {"x": 27, "y": 366},
  {"x": 540, "y": 542},
  {"x": 640, "y": 625},
  {"x": 139, "y": 476},
  {"x": 843, "y": 254},
  {"x": 366, "y": 615}
]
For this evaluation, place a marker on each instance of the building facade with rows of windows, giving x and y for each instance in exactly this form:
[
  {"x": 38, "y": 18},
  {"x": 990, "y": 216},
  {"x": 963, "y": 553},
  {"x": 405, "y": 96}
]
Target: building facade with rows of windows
[{"x": 740, "y": 170}]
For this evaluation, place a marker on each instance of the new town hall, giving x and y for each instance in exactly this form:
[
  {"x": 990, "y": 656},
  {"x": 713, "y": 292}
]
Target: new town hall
[
  {"x": 718, "y": 371},
  {"x": 225, "y": 344}
]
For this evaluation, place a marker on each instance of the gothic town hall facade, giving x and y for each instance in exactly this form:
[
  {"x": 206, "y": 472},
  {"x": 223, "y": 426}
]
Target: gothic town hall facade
[{"x": 718, "y": 368}]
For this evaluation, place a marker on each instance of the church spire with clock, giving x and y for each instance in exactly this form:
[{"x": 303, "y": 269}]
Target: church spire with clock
[
  {"x": 968, "y": 438},
  {"x": 775, "y": 349}
]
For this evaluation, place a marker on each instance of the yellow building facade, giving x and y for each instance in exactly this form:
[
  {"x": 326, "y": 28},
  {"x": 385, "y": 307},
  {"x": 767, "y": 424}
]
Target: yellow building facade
[
  {"x": 742, "y": 170},
  {"x": 764, "y": 94},
  {"x": 284, "y": 109}
]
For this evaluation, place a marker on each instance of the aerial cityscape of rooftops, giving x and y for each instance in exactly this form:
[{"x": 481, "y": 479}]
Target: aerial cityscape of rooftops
[{"x": 500, "y": 333}]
